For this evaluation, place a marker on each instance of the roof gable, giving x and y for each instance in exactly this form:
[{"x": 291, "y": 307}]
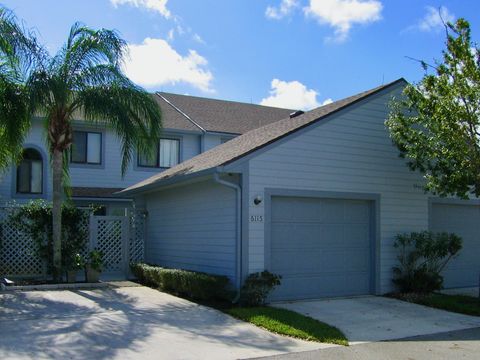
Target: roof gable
[{"x": 256, "y": 139}]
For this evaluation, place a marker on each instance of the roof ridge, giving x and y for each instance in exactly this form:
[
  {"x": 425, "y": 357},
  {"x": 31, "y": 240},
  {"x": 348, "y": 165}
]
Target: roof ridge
[{"x": 225, "y": 100}]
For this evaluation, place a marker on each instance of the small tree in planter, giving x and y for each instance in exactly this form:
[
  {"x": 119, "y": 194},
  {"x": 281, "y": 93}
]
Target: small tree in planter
[
  {"x": 73, "y": 265},
  {"x": 94, "y": 266}
]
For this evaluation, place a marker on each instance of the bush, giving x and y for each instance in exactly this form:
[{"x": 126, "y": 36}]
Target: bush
[
  {"x": 190, "y": 284},
  {"x": 423, "y": 256},
  {"x": 257, "y": 286},
  {"x": 35, "y": 219}
]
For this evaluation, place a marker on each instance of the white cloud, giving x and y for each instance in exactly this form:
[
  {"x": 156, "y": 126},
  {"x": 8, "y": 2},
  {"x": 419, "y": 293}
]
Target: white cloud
[
  {"x": 434, "y": 19},
  {"x": 171, "y": 35},
  {"x": 154, "y": 63},
  {"x": 292, "y": 95},
  {"x": 159, "y": 6},
  {"x": 343, "y": 14},
  {"x": 327, "y": 101},
  {"x": 198, "y": 39},
  {"x": 284, "y": 9}
]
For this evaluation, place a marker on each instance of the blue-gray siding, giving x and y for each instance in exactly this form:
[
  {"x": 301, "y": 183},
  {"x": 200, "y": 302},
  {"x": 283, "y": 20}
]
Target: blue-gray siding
[
  {"x": 352, "y": 152},
  {"x": 193, "y": 228},
  {"x": 109, "y": 173}
]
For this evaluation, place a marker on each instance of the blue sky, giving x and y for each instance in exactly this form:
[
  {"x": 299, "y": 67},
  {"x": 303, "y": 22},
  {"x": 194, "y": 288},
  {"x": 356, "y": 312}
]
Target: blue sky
[{"x": 290, "y": 53}]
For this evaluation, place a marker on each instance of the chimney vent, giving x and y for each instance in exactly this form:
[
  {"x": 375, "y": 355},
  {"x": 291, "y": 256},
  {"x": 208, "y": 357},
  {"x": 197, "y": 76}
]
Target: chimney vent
[{"x": 296, "y": 113}]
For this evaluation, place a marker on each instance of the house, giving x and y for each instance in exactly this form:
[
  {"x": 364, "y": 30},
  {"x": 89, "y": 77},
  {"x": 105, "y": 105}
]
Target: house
[
  {"x": 317, "y": 198},
  {"x": 191, "y": 125}
]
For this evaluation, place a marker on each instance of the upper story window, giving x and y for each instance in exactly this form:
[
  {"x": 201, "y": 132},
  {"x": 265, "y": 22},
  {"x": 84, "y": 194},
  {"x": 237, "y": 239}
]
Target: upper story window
[
  {"x": 87, "y": 147},
  {"x": 30, "y": 173},
  {"x": 166, "y": 155}
]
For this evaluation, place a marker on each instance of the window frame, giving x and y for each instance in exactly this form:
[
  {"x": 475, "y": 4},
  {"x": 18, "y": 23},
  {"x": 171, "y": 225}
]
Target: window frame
[
  {"x": 30, "y": 161},
  {"x": 157, "y": 160},
  {"x": 86, "y": 162}
]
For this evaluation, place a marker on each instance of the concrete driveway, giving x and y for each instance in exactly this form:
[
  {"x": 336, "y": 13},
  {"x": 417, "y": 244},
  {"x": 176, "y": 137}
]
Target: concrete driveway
[
  {"x": 371, "y": 318},
  {"x": 127, "y": 323}
]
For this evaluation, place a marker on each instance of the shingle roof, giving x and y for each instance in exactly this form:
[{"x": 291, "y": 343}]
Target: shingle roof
[
  {"x": 216, "y": 115},
  {"x": 254, "y": 140}
]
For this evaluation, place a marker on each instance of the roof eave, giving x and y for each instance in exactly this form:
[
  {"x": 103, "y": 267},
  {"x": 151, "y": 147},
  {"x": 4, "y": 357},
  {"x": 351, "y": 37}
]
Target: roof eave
[{"x": 164, "y": 182}]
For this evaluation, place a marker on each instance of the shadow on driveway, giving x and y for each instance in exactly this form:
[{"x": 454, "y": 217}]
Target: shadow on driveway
[{"x": 133, "y": 322}]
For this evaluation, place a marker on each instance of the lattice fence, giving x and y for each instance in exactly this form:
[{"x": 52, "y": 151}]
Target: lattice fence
[
  {"x": 137, "y": 236},
  {"x": 17, "y": 251},
  {"x": 110, "y": 241},
  {"x": 121, "y": 240}
]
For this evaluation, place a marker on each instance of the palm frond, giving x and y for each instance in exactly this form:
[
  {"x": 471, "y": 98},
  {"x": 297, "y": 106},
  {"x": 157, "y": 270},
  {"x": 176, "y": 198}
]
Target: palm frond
[{"x": 130, "y": 111}]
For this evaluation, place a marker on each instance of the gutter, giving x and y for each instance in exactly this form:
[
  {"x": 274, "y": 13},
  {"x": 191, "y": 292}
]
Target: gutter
[{"x": 238, "y": 242}]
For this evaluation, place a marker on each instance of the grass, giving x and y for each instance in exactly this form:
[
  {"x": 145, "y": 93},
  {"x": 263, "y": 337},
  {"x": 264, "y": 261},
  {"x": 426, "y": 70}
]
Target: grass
[
  {"x": 290, "y": 323},
  {"x": 456, "y": 303},
  {"x": 462, "y": 304}
]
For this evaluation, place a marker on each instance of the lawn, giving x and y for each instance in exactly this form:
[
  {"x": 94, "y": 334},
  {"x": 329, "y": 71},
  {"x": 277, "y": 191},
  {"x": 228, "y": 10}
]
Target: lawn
[
  {"x": 456, "y": 303},
  {"x": 289, "y": 323}
]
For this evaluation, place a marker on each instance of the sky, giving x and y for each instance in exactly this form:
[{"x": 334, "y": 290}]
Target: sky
[{"x": 296, "y": 54}]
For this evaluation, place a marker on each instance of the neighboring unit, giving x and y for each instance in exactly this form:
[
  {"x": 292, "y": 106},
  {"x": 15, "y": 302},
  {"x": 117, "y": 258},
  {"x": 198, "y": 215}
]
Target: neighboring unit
[
  {"x": 191, "y": 125},
  {"x": 317, "y": 198}
]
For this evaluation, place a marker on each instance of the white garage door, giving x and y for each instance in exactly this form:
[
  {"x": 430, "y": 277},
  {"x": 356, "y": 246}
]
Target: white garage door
[
  {"x": 320, "y": 247},
  {"x": 463, "y": 220}
]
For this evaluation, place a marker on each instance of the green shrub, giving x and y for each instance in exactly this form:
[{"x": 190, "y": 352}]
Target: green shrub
[
  {"x": 190, "y": 284},
  {"x": 257, "y": 286},
  {"x": 423, "y": 256}
]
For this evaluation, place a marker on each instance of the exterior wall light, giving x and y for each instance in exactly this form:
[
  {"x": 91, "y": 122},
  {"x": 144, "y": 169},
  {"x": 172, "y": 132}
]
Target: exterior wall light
[{"x": 258, "y": 199}]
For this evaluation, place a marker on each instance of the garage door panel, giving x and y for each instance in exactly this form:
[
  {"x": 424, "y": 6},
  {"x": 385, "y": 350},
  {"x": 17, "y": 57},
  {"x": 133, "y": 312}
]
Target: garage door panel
[
  {"x": 321, "y": 248},
  {"x": 334, "y": 211},
  {"x": 358, "y": 235},
  {"x": 357, "y": 212},
  {"x": 463, "y": 220},
  {"x": 328, "y": 284}
]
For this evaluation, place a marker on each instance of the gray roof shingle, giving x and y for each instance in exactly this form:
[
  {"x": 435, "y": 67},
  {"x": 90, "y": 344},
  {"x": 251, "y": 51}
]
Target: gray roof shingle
[
  {"x": 253, "y": 140},
  {"x": 216, "y": 115}
]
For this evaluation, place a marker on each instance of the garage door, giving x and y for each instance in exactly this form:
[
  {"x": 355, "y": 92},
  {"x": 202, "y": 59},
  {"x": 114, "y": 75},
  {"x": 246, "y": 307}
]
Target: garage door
[
  {"x": 321, "y": 247},
  {"x": 463, "y": 220}
]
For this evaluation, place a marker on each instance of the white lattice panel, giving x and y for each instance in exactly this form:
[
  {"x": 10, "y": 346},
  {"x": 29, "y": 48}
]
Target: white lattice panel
[
  {"x": 137, "y": 236},
  {"x": 110, "y": 235},
  {"x": 17, "y": 252}
]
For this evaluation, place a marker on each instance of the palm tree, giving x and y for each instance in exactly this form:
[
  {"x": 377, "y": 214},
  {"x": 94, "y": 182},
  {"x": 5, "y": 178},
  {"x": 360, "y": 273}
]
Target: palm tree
[{"x": 84, "y": 80}]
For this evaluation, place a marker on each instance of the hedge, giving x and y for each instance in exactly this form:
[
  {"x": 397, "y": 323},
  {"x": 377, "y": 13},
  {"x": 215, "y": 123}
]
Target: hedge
[{"x": 190, "y": 284}]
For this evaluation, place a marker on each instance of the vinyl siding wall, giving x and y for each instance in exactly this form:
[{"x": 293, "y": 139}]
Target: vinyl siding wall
[
  {"x": 193, "y": 228},
  {"x": 106, "y": 175},
  {"x": 350, "y": 153}
]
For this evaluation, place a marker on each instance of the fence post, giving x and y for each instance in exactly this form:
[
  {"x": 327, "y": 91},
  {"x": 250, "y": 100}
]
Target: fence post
[
  {"x": 126, "y": 244},
  {"x": 93, "y": 232}
]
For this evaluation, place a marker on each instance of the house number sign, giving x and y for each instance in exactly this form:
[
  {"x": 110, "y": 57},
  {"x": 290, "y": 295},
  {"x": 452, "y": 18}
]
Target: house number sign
[{"x": 256, "y": 218}]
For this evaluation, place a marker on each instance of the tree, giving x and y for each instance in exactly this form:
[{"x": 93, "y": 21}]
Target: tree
[
  {"x": 436, "y": 124},
  {"x": 83, "y": 80}
]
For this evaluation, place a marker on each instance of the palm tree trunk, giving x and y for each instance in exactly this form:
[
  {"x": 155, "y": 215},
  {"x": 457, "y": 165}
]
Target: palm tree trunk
[{"x": 57, "y": 169}]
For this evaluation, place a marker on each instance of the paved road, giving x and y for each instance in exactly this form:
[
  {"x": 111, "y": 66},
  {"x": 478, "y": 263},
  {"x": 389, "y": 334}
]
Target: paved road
[{"x": 462, "y": 344}]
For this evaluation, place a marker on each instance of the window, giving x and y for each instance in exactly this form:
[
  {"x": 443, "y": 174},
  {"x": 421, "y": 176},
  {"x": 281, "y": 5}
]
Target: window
[
  {"x": 30, "y": 173},
  {"x": 87, "y": 147},
  {"x": 166, "y": 155}
]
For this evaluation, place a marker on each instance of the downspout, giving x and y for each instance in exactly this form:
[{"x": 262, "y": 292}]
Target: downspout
[{"x": 238, "y": 242}]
